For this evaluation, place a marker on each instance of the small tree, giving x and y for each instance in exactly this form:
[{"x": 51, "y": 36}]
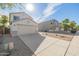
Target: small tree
[
  {"x": 64, "y": 24},
  {"x": 4, "y": 20},
  {"x": 77, "y": 27},
  {"x": 65, "y": 21},
  {"x": 72, "y": 25}
]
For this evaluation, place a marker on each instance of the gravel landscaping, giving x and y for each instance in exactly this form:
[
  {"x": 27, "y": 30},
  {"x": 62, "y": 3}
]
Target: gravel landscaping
[{"x": 61, "y": 36}]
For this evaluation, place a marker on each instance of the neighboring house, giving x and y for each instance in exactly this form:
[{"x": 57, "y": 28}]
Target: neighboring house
[
  {"x": 51, "y": 25},
  {"x": 22, "y": 23}
]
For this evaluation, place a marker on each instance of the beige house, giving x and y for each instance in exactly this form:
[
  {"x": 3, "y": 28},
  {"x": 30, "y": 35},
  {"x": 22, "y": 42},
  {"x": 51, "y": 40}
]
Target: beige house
[
  {"x": 23, "y": 23},
  {"x": 51, "y": 25}
]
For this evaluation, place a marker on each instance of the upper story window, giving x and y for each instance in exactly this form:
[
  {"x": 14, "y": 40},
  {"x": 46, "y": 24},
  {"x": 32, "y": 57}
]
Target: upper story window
[{"x": 16, "y": 18}]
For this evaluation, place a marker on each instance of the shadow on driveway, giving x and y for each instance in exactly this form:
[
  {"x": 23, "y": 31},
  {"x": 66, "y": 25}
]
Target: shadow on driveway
[{"x": 33, "y": 41}]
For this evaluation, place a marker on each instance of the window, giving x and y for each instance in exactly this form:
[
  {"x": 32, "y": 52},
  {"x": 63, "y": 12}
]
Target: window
[{"x": 16, "y": 18}]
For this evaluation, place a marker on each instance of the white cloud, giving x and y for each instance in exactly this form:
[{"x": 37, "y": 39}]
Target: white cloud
[{"x": 50, "y": 9}]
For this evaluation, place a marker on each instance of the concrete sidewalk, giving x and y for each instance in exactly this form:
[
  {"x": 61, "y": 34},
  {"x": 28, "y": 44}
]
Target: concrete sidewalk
[
  {"x": 74, "y": 46},
  {"x": 56, "y": 47}
]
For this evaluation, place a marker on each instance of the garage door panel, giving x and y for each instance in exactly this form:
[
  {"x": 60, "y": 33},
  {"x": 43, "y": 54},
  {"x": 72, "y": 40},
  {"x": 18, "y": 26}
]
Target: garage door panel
[{"x": 26, "y": 29}]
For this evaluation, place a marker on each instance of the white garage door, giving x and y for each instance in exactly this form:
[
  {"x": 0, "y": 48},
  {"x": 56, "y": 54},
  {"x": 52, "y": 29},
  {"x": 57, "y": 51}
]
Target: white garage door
[{"x": 26, "y": 29}]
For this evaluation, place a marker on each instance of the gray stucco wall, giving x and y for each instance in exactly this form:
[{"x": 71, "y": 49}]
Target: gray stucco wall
[{"x": 49, "y": 25}]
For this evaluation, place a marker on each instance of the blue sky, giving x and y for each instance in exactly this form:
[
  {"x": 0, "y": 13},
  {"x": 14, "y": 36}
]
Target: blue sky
[{"x": 47, "y": 11}]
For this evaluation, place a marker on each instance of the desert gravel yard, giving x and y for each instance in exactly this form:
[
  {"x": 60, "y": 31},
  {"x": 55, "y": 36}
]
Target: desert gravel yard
[{"x": 66, "y": 37}]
